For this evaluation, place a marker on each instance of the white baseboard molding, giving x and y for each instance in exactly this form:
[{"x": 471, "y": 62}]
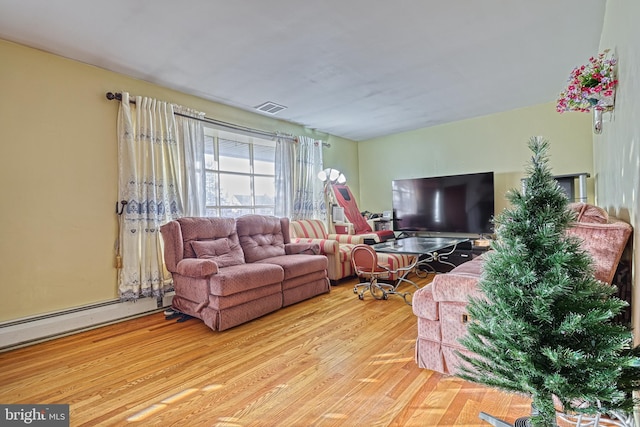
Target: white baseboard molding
[{"x": 31, "y": 330}]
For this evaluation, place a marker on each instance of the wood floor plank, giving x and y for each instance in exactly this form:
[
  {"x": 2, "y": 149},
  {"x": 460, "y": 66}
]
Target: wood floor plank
[{"x": 330, "y": 361}]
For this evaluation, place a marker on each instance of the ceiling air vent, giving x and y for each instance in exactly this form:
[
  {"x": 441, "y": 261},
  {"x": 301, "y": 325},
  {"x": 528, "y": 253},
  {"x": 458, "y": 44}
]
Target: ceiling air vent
[{"x": 270, "y": 108}]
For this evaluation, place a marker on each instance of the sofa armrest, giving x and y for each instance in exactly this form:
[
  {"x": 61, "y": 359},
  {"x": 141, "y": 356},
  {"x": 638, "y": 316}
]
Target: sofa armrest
[
  {"x": 173, "y": 244},
  {"x": 455, "y": 287},
  {"x": 325, "y": 246},
  {"x": 460, "y": 283},
  {"x": 302, "y": 248},
  {"x": 196, "y": 267},
  {"x": 354, "y": 239},
  {"x": 423, "y": 305}
]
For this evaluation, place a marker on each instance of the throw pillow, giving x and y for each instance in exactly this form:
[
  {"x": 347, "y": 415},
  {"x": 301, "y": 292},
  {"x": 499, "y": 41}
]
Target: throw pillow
[{"x": 218, "y": 251}]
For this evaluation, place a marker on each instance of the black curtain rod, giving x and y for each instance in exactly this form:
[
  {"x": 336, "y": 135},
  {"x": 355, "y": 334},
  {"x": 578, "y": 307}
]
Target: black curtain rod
[{"x": 118, "y": 96}]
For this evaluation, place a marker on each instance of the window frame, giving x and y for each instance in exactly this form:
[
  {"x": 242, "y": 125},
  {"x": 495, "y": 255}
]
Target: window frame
[{"x": 213, "y": 170}]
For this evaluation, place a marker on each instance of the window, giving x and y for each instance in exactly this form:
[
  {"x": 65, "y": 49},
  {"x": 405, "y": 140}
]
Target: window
[{"x": 240, "y": 174}]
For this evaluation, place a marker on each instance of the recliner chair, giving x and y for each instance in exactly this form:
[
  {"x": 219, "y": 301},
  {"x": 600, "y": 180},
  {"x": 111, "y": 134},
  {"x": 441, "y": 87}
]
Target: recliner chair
[{"x": 344, "y": 198}]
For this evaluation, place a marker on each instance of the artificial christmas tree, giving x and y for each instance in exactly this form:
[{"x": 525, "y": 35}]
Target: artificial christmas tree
[{"x": 544, "y": 327}]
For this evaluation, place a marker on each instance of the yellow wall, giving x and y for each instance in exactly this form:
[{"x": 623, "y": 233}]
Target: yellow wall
[
  {"x": 617, "y": 149},
  {"x": 58, "y": 169},
  {"x": 58, "y": 165},
  {"x": 495, "y": 143}
]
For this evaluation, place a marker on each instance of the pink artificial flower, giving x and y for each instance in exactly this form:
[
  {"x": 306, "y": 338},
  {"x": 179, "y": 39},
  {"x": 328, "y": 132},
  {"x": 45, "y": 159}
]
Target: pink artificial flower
[{"x": 598, "y": 71}]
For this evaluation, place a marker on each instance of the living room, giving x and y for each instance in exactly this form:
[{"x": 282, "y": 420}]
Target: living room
[{"x": 58, "y": 163}]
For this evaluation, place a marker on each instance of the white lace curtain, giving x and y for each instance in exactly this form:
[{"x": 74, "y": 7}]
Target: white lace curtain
[
  {"x": 160, "y": 163},
  {"x": 299, "y": 191},
  {"x": 284, "y": 164},
  {"x": 191, "y": 160}
]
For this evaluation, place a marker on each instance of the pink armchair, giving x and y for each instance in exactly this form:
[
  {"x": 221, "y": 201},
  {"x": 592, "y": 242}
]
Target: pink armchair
[{"x": 441, "y": 306}]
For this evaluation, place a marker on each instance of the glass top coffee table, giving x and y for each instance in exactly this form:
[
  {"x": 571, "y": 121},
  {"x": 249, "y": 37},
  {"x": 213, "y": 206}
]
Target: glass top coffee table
[{"x": 424, "y": 250}]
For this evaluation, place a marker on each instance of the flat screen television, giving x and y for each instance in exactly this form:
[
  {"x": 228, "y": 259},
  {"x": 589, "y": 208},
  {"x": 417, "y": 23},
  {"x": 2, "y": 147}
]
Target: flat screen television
[{"x": 445, "y": 204}]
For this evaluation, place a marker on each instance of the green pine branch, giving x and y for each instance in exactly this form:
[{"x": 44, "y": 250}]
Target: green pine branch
[{"x": 544, "y": 324}]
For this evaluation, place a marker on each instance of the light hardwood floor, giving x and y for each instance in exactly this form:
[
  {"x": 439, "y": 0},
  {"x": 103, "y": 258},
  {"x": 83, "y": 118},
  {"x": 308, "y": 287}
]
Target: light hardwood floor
[{"x": 330, "y": 361}]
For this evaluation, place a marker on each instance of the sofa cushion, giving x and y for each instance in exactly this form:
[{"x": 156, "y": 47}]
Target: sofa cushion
[
  {"x": 260, "y": 237},
  {"x": 209, "y": 248},
  {"x": 243, "y": 277},
  {"x": 605, "y": 243},
  {"x": 218, "y": 250},
  {"x": 196, "y": 228},
  {"x": 298, "y": 265}
]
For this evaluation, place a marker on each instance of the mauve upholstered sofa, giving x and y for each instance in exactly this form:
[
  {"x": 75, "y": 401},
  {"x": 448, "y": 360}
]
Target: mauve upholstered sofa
[
  {"x": 441, "y": 306},
  {"x": 229, "y": 271}
]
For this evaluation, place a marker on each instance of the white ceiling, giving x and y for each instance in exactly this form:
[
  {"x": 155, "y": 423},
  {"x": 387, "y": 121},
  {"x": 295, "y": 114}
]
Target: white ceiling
[{"x": 352, "y": 68}]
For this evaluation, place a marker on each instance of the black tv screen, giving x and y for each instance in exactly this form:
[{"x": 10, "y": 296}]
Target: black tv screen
[{"x": 444, "y": 204}]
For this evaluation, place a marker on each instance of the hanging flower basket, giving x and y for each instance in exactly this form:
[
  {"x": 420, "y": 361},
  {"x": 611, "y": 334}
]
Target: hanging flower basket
[{"x": 591, "y": 86}]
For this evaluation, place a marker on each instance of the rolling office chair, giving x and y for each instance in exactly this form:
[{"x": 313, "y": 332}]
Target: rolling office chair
[{"x": 366, "y": 266}]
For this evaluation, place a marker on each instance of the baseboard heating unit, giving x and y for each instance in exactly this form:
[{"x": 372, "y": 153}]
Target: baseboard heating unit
[{"x": 31, "y": 330}]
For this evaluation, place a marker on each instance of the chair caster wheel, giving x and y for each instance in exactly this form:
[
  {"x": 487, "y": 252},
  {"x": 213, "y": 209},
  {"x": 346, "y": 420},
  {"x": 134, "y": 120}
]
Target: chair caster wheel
[
  {"x": 361, "y": 297},
  {"x": 355, "y": 291},
  {"x": 385, "y": 296}
]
